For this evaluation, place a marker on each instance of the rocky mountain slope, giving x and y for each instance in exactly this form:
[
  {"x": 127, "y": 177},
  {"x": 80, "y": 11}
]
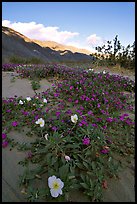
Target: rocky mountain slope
[
  {"x": 60, "y": 47},
  {"x": 16, "y": 44}
]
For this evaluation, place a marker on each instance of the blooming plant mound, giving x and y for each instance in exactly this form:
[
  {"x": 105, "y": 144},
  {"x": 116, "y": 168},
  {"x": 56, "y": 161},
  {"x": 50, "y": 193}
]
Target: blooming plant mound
[{"x": 83, "y": 130}]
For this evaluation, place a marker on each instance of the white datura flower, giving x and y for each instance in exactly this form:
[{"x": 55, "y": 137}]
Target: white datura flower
[
  {"x": 28, "y": 98},
  {"x": 45, "y": 100},
  {"x": 67, "y": 158},
  {"x": 40, "y": 122},
  {"x": 55, "y": 185},
  {"x": 74, "y": 118},
  {"x": 21, "y": 102}
]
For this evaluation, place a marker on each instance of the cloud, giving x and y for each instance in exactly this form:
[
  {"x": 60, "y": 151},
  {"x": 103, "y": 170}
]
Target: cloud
[
  {"x": 38, "y": 31},
  {"x": 95, "y": 40}
]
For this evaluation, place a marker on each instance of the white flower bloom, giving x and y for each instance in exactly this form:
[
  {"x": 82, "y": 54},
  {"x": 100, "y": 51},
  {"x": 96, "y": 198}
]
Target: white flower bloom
[
  {"x": 41, "y": 122},
  {"x": 28, "y": 98},
  {"x": 89, "y": 69},
  {"x": 67, "y": 158},
  {"x": 45, "y": 100},
  {"x": 55, "y": 185},
  {"x": 74, "y": 118},
  {"x": 104, "y": 72},
  {"x": 46, "y": 136},
  {"x": 20, "y": 102},
  {"x": 41, "y": 105}
]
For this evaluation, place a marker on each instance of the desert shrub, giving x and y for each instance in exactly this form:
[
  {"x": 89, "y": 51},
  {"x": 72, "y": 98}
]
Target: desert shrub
[
  {"x": 110, "y": 55},
  {"x": 20, "y": 60}
]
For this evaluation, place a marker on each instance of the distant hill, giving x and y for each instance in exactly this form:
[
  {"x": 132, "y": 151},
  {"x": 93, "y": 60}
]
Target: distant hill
[{"x": 16, "y": 44}]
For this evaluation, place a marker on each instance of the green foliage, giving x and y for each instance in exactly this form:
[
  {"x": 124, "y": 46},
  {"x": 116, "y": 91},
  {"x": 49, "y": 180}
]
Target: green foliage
[{"x": 35, "y": 84}]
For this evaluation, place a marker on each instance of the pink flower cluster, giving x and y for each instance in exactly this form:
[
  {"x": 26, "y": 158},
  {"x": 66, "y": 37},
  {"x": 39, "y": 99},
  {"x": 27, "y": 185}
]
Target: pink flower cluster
[{"x": 86, "y": 141}]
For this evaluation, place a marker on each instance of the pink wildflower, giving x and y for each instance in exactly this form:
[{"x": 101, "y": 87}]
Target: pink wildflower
[
  {"x": 4, "y": 136},
  {"x": 14, "y": 124},
  {"x": 4, "y": 144},
  {"x": 86, "y": 141}
]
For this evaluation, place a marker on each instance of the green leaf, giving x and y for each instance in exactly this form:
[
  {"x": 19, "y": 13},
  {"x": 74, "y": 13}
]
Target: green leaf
[
  {"x": 84, "y": 185},
  {"x": 83, "y": 177},
  {"x": 93, "y": 165},
  {"x": 79, "y": 165},
  {"x": 88, "y": 152},
  {"x": 54, "y": 160},
  {"x": 63, "y": 171},
  {"x": 86, "y": 165}
]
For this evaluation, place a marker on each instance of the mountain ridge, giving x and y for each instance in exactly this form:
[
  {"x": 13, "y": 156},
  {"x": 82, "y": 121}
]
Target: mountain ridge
[{"x": 17, "y": 44}]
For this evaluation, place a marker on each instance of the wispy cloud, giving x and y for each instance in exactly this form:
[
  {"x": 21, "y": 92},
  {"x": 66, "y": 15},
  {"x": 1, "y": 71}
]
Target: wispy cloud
[
  {"x": 37, "y": 31},
  {"x": 95, "y": 40}
]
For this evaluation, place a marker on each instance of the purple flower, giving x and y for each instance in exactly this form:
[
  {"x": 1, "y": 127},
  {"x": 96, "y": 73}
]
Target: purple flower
[
  {"x": 129, "y": 121},
  {"x": 103, "y": 112},
  {"x": 69, "y": 99},
  {"x": 94, "y": 125},
  {"x": 71, "y": 87},
  {"x": 98, "y": 105},
  {"x": 4, "y": 136},
  {"x": 109, "y": 120},
  {"x": 115, "y": 119},
  {"x": 54, "y": 128},
  {"x": 125, "y": 114},
  {"x": 79, "y": 111},
  {"x": 99, "y": 119},
  {"x": 8, "y": 111},
  {"x": 83, "y": 122},
  {"x": 90, "y": 113},
  {"x": 104, "y": 151},
  {"x": 4, "y": 144},
  {"x": 104, "y": 127},
  {"x": 121, "y": 118},
  {"x": 25, "y": 112},
  {"x": 87, "y": 99},
  {"x": 76, "y": 101},
  {"x": 86, "y": 141},
  {"x": 69, "y": 111},
  {"x": 36, "y": 117},
  {"x": 14, "y": 123},
  {"x": 80, "y": 124},
  {"x": 56, "y": 94},
  {"x": 58, "y": 114}
]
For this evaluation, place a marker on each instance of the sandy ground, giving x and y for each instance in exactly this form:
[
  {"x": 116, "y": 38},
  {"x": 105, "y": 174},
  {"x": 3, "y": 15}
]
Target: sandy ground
[
  {"x": 119, "y": 190},
  {"x": 117, "y": 70},
  {"x": 20, "y": 87}
]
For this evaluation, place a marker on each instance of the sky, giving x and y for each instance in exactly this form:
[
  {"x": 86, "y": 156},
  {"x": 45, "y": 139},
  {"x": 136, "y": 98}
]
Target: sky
[{"x": 81, "y": 24}]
